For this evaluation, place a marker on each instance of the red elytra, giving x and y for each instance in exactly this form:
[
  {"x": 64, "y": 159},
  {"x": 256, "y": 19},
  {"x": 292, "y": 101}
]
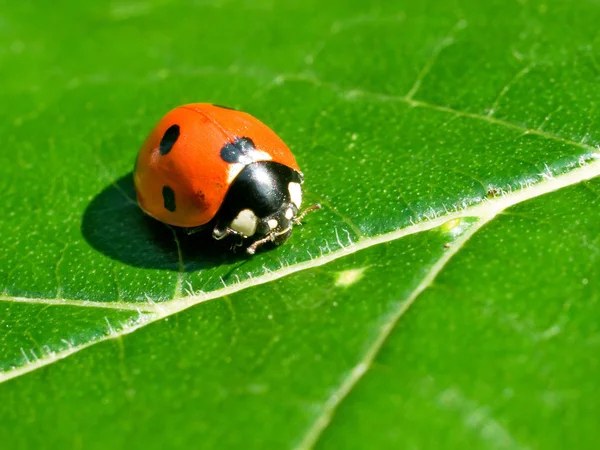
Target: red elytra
[{"x": 193, "y": 166}]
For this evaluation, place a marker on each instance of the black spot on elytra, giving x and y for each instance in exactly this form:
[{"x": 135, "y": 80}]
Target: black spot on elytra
[
  {"x": 168, "y": 198},
  {"x": 238, "y": 151},
  {"x": 168, "y": 140},
  {"x": 224, "y": 107}
]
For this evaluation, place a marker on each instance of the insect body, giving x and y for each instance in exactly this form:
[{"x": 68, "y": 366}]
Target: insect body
[{"x": 205, "y": 165}]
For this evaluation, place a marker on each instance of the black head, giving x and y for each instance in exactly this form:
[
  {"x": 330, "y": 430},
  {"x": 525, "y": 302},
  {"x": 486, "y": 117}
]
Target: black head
[{"x": 261, "y": 205}]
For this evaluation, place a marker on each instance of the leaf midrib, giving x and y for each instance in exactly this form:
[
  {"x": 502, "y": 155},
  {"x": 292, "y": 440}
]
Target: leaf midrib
[{"x": 151, "y": 312}]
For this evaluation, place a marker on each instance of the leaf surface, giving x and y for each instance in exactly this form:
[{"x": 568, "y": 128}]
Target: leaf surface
[{"x": 446, "y": 292}]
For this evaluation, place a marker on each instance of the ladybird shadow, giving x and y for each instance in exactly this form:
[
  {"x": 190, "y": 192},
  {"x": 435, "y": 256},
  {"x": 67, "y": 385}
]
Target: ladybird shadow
[{"x": 114, "y": 225}]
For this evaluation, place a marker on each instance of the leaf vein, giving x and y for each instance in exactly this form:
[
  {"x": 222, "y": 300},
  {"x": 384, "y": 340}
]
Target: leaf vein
[{"x": 352, "y": 379}]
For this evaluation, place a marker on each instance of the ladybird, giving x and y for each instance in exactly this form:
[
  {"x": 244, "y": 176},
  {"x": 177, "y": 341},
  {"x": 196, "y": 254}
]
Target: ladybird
[{"x": 205, "y": 166}]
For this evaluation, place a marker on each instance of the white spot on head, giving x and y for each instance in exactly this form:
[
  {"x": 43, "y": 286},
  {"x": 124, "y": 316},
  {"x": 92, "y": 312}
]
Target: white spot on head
[
  {"x": 349, "y": 277},
  {"x": 273, "y": 224},
  {"x": 295, "y": 194},
  {"x": 245, "y": 222},
  {"x": 289, "y": 214}
]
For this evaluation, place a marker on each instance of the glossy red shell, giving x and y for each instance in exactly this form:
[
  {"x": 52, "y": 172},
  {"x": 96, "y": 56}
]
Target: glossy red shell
[{"x": 193, "y": 168}]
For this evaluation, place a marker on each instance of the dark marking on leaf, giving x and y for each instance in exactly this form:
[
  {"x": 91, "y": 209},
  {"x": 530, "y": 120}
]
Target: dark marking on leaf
[
  {"x": 169, "y": 139},
  {"x": 169, "y": 198},
  {"x": 492, "y": 192}
]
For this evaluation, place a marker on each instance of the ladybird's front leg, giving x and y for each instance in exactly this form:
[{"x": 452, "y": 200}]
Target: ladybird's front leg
[
  {"x": 237, "y": 243},
  {"x": 298, "y": 219},
  {"x": 251, "y": 250},
  {"x": 219, "y": 233},
  {"x": 222, "y": 233}
]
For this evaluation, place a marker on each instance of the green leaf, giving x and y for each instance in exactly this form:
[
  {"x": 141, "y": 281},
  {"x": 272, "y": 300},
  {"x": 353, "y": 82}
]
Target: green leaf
[{"x": 447, "y": 292}]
